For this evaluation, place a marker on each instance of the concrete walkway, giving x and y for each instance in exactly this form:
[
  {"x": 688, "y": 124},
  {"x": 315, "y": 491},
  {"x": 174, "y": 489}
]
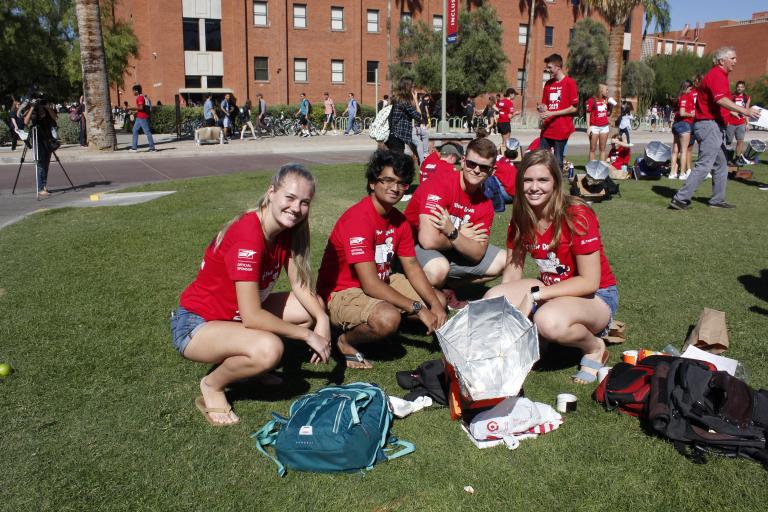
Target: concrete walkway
[{"x": 95, "y": 172}]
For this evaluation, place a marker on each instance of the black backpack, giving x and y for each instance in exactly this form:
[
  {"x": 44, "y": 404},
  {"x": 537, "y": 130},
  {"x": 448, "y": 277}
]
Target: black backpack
[
  {"x": 428, "y": 379},
  {"x": 704, "y": 411}
]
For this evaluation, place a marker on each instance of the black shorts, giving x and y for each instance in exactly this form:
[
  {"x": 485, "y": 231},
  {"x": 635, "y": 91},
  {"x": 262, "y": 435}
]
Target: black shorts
[
  {"x": 302, "y": 119},
  {"x": 329, "y": 118},
  {"x": 504, "y": 128}
]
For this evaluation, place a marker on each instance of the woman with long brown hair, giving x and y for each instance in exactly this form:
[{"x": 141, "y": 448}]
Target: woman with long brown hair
[
  {"x": 229, "y": 315},
  {"x": 575, "y": 297}
]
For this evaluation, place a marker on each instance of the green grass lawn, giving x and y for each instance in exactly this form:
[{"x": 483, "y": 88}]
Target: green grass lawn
[{"x": 99, "y": 414}]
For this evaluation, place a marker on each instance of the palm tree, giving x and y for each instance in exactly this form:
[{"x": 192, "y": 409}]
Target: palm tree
[
  {"x": 616, "y": 13},
  {"x": 535, "y": 8},
  {"x": 98, "y": 113}
]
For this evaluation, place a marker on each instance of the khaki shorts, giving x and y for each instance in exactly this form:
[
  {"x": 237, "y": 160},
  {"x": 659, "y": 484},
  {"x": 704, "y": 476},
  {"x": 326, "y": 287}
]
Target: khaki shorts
[{"x": 351, "y": 307}]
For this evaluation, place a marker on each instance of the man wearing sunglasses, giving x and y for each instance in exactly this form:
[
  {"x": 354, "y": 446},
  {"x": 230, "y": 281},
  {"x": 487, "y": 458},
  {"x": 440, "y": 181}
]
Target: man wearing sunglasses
[
  {"x": 366, "y": 300},
  {"x": 451, "y": 220}
]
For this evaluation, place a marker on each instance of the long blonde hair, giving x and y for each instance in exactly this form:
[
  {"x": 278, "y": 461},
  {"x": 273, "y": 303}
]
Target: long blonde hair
[
  {"x": 299, "y": 233},
  {"x": 556, "y": 210}
]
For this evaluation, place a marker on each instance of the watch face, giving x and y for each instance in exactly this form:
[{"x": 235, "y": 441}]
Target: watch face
[
  {"x": 534, "y": 289},
  {"x": 417, "y": 306}
]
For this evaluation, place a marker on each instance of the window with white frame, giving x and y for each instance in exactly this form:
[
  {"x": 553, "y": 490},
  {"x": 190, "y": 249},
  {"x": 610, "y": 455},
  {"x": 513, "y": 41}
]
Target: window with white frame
[
  {"x": 260, "y": 14},
  {"x": 668, "y": 47},
  {"x": 337, "y": 71},
  {"x": 437, "y": 23},
  {"x": 299, "y": 15},
  {"x": 300, "y": 71},
  {"x": 549, "y": 36},
  {"x": 373, "y": 20},
  {"x": 337, "y": 18},
  {"x": 522, "y": 33},
  {"x": 520, "y": 79}
]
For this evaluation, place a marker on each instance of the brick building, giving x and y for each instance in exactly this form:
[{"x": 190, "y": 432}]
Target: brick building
[
  {"x": 284, "y": 47},
  {"x": 746, "y": 36}
]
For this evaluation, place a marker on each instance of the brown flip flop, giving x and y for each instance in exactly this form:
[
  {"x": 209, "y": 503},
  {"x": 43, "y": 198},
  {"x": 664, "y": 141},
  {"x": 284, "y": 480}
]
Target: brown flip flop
[{"x": 200, "y": 404}]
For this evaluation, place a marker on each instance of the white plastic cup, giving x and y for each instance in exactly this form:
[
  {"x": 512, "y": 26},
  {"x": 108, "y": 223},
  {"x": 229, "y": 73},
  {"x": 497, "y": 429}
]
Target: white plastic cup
[
  {"x": 602, "y": 373},
  {"x": 566, "y": 402},
  {"x": 612, "y": 101}
]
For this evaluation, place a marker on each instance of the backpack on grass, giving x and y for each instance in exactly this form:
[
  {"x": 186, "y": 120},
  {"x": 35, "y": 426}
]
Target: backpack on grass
[
  {"x": 379, "y": 130},
  {"x": 344, "y": 428},
  {"x": 699, "y": 409}
]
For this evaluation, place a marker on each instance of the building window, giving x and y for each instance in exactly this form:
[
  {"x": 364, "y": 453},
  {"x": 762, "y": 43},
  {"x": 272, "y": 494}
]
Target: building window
[
  {"x": 191, "y": 34},
  {"x": 215, "y": 82},
  {"x": 337, "y": 71},
  {"x": 668, "y": 47},
  {"x": 261, "y": 68},
  {"x": 299, "y": 16},
  {"x": 213, "y": 35},
  {"x": 337, "y": 18},
  {"x": 520, "y": 79},
  {"x": 437, "y": 23},
  {"x": 300, "y": 73},
  {"x": 405, "y": 22},
  {"x": 522, "y": 33},
  {"x": 193, "y": 81},
  {"x": 700, "y": 51},
  {"x": 370, "y": 71},
  {"x": 549, "y": 35},
  {"x": 373, "y": 20},
  {"x": 570, "y": 34},
  {"x": 260, "y": 14}
]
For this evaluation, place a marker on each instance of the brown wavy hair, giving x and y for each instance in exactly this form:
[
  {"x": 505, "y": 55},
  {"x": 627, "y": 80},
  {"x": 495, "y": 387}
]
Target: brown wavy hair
[{"x": 523, "y": 216}]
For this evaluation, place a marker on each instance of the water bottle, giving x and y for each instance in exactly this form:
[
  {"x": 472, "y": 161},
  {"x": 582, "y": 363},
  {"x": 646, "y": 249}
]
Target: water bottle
[
  {"x": 570, "y": 171},
  {"x": 671, "y": 350}
]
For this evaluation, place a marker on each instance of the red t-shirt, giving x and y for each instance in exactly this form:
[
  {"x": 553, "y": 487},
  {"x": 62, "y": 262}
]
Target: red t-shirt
[
  {"x": 140, "y": 101},
  {"x": 687, "y": 102},
  {"x": 507, "y": 174},
  {"x": 534, "y": 145},
  {"x": 447, "y": 192},
  {"x": 713, "y": 87},
  {"x": 559, "y": 95},
  {"x": 737, "y": 119},
  {"x": 619, "y": 156},
  {"x": 242, "y": 256},
  {"x": 561, "y": 265},
  {"x": 598, "y": 110},
  {"x": 361, "y": 235},
  {"x": 506, "y": 109},
  {"x": 432, "y": 165}
]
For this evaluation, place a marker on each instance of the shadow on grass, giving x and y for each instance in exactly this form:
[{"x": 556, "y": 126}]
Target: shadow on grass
[
  {"x": 556, "y": 357},
  {"x": 669, "y": 193},
  {"x": 757, "y": 286},
  {"x": 749, "y": 183}
]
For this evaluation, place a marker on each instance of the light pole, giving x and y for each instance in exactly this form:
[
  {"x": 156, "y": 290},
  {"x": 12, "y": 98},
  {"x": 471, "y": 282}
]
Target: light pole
[{"x": 443, "y": 126}]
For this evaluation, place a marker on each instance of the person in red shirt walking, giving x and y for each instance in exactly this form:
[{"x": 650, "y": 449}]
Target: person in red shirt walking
[
  {"x": 142, "y": 120},
  {"x": 506, "y": 111},
  {"x": 712, "y": 106},
  {"x": 366, "y": 299},
  {"x": 229, "y": 315},
  {"x": 575, "y": 297},
  {"x": 597, "y": 121},
  {"x": 737, "y": 124},
  {"x": 557, "y": 107},
  {"x": 681, "y": 131}
]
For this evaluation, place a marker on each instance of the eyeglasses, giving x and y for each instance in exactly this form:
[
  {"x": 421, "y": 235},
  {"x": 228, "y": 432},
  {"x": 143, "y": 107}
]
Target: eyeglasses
[
  {"x": 482, "y": 168},
  {"x": 388, "y": 182}
]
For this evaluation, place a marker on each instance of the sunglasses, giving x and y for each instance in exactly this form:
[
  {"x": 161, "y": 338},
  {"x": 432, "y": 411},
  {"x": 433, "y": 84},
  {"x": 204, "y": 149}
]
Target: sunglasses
[
  {"x": 388, "y": 182},
  {"x": 472, "y": 165}
]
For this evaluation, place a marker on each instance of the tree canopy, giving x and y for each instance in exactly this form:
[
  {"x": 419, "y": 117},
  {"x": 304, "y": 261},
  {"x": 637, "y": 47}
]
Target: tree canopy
[
  {"x": 671, "y": 70},
  {"x": 588, "y": 55},
  {"x": 475, "y": 64},
  {"x": 40, "y": 48}
]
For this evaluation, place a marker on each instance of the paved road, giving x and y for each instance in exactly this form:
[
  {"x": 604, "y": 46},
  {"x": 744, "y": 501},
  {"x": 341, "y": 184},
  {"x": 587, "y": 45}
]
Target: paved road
[{"x": 95, "y": 172}]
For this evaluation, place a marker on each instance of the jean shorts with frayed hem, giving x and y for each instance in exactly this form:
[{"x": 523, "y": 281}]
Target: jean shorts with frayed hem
[
  {"x": 184, "y": 325},
  {"x": 609, "y": 295}
]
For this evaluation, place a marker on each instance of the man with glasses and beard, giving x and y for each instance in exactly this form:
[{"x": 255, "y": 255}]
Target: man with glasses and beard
[
  {"x": 451, "y": 220},
  {"x": 366, "y": 298}
]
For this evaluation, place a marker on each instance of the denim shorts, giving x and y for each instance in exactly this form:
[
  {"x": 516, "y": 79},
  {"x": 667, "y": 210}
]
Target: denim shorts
[
  {"x": 184, "y": 325},
  {"x": 682, "y": 127},
  {"x": 609, "y": 295}
]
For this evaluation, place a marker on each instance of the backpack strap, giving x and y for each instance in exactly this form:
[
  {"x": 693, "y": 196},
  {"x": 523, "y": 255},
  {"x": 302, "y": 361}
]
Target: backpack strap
[
  {"x": 405, "y": 449},
  {"x": 266, "y": 436}
]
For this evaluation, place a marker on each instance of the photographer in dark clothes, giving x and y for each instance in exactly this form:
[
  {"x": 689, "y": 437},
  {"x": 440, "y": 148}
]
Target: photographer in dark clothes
[{"x": 41, "y": 120}]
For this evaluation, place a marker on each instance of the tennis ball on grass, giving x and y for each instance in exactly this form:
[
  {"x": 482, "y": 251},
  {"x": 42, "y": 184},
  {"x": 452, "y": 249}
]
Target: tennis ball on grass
[{"x": 5, "y": 370}]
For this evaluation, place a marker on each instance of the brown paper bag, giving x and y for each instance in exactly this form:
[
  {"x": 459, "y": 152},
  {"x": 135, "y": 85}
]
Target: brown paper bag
[
  {"x": 616, "y": 333},
  {"x": 710, "y": 333}
]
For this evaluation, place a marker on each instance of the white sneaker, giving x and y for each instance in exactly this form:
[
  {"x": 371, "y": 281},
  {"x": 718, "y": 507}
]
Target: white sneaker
[
  {"x": 673, "y": 176},
  {"x": 709, "y": 176},
  {"x": 685, "y": 175}
]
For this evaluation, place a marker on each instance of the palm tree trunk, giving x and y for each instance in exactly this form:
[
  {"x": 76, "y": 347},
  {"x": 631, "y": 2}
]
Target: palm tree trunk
[
  {"x": 615, "y": 63},
  {"x": 98, "y": 114},
  {"x": 527, "y": 58}
]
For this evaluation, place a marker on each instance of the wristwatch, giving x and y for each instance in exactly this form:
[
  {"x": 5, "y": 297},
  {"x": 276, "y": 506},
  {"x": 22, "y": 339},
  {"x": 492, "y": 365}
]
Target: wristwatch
[
  {"x": 535, "y": 294},
  {"x": 417, "y": 306},
  {"x": 454, "y": 234}
]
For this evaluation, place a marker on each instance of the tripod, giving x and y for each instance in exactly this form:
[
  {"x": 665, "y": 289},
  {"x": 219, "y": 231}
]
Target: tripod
[{"x": 27, "y": 145}]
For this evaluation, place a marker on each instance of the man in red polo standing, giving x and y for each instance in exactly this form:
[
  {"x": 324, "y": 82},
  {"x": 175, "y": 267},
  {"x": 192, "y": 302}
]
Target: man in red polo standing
[
  {"x": 712, "y": 107},
  {"x": 557, "y": 107}
]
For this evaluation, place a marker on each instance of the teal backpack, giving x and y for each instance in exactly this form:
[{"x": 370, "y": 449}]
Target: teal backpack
[{"x": 344, "y": 428}]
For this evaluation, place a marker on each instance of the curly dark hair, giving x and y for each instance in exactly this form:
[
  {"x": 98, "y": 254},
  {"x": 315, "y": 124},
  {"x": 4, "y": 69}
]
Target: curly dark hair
[{"x": 401, "y": 165}]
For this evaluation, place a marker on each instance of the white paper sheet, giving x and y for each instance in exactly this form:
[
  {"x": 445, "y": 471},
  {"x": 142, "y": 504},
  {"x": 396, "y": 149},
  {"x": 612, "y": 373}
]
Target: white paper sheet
[
  {"x": 762, "y": 121},
  {"x": 724, "y": 364}
]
